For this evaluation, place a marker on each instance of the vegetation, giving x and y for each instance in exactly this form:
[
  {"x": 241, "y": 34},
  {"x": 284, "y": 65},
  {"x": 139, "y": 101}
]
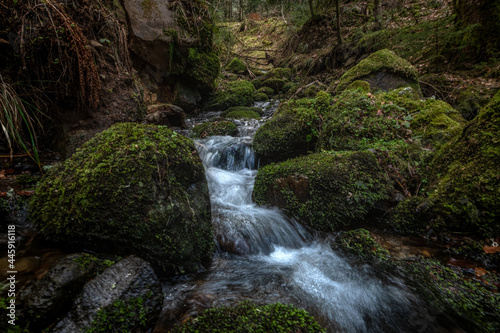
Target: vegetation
[
  {"x": 121, "y": 189},
  {"x": 248, "y": 317},
  {"x": 233, "y": 93},
  {"x": 361, "y": 244},
  {"x": 217, "y": 127}
]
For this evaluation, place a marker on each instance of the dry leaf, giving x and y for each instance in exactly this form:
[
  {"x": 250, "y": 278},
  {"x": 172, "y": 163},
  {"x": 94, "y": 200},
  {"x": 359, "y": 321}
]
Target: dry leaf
[
  {"x": 480, "y": 271},
  {"x": 491, "y": 249}
]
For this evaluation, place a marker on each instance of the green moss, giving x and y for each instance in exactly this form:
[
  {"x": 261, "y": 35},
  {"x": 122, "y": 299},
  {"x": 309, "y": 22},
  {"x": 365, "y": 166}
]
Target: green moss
[
  {"x": 26, "y": 179},
  {"x": 234, "y": 93},
  {"x": 122, "y": 316},
  {"x": 475, "y": 303},
  {"x": 437, "y": 123},
  {"x": 359, "y": 85},
  {"x": 203, "y": 67},
  {"x": 474, "y": 250},
  {"x": 324, "y": 190},
  {"x": 470, "y": 102},
  {"x": 236, "y": 66},
  {"x": 361, "y": 244},
  {"x": 85, "y": 260},
  {"x": 467, "y": 177},
  {"x": 285, "y": 135},
  {"x": 412, "y": 216},
  {"x": 132, "y": 189},
  {"x": 266, "y": 90},
  {"x": 260, "y": 97},
  {"x": 275, "y": 84},
  {"x": 247, "y": 317},
  {"x": 279, "y": 73},
  {"x": 210, "y": 128},
  {"x": 383, "y": 60},
  {"x": 242, "y": 114}
]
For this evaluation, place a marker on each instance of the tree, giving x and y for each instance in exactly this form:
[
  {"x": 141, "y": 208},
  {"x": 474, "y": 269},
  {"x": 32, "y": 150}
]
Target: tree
[{"x": 337, "y": 9}]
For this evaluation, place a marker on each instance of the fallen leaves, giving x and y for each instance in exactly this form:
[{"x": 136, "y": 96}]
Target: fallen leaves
[{"x": 491, "y": 249}]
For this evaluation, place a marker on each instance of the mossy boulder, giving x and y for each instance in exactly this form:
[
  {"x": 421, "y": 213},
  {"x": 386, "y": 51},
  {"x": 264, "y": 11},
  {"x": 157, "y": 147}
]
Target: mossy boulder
[
  {"x": 474, "y": 304},
  {"x": 359, "y": 84},
  {"x": 248, "y": 317},
  {"x": 260, "y": 97},
  {"x": 437, "y": 122},
  {"x": 132, "y": 189},
  {"x": 266, "y": 90},
  {"x": 324, "y": 190},
  {"x": 236, "y": 66},
  {"x": 360, "y": 244},
  {"x": 383, "y": 70},
  {"x": 203, "y": 67},
  {"x": 242, "y": 115},
  {"x": 288, "y": 133},
  {"x": 275, "y": 84},
  {"x": 217, "y": 127},
  {"x": 467, "y": 186},
  {"x": 279, "y": 73},
  {"x": 233, "y": 93}
]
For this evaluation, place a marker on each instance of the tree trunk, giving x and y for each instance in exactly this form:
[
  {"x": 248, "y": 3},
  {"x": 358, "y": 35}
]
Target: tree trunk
[
  {"x": 377, "y": 12},
  {"x": 311, "y": 8}
]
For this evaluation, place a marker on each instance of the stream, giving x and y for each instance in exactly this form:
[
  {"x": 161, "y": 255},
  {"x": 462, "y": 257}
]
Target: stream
[{"x": 267, "y": 257}]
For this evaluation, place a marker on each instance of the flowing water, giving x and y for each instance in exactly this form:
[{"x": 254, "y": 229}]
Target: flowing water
[{"x": 266, "y": 257}]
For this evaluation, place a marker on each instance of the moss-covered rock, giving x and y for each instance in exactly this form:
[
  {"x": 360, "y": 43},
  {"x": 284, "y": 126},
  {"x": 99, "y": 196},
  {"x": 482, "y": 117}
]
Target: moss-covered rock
[
  {"x": 266, "y": 90},
  {"x": 260, "y": 97},
  {"x": 236, "y": 66},
  {"x": 217, "y": 127},
  {"x": 279, "y": 73},
  {"x": 275, "y": 84},
  {"x": 324, "y": 190},
  {"x": 247, "y": 317},
  {"x": 437, "y": 123},
  {"x": 359, "y": 84},
  {"x": 131, "y": 189},
  {"x": 289, "y": 132},
  {"x": 233, "y": 93},
  {"x": 360, "y": 244},
  {"x": 203, "y": 67},
  {"x": 467, "y": 187},
  {"x": 474, "y": 304},
  {"x": 384, "y": 70}
]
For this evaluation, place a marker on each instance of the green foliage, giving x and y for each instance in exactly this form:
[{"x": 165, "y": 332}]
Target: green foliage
[
  {"x": 124, "y": 316},
  {"x": 203, "y": 67},
  {"x": 236, "y": 66},
  {"x": 234, "y": 93},
  {"x": 450, "y": 291},
  {"x": 361, "y": 244},
  {"x": 383, "y": 60},
  {"x": 131, "y": 189},
  {"x": 360, "y": 85},
  {"x": 324, "y": 190},
  {"x": 86, "y": 259},
  {"x": 260, "y": 97},
  {"x": 247, "y": 317},
  {"x": 266, "y": 90},
  {"x": 210, "y": 128},
  {"x": 26, "y": 179}
]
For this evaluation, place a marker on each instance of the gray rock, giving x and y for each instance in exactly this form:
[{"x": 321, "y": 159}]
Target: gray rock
[
  {"x": 166, "y": 114},
  {"x": 130, "y": 278}
]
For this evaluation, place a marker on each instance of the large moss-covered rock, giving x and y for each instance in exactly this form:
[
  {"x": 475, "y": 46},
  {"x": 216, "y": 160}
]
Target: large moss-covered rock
[
  {"x": 291, "y": 132},
  {"x": 132, "y": 189},
  {"x": 236, "y": 66},
  {"x": 384, "y": 70},
  {"x": 360, "y": 244},
  {"x": 248, "y": 317},
  {"x": 467, "y": 189},
  {"x": 233, "y": 93},
  {"x": 217, "y": 127},
  {"x": 324, "y": 190}
]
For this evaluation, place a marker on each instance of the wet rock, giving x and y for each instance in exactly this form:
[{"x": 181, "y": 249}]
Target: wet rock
[
  {"x": 52, "y": 295},
  {"x": 167, "y": 115},
  {"x": 129, "y": 288},
  {"x": 132, "y": 189},
  {"x": 186, "y": 96}
]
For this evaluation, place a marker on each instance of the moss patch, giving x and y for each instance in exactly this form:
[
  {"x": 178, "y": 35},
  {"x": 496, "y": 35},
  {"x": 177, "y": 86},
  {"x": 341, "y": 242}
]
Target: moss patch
[
  {"x": 324, "y": 190},
  {"x": 247, "y": 317},
  {"x": 361, "y": 244},
  {"x": 203, "y": 67},
  {"x": 132, "y": 189},
  {"x": 242, "y": 114},
  {"x": 253, "y": 109},
  {"x": 236, "y": 66}
]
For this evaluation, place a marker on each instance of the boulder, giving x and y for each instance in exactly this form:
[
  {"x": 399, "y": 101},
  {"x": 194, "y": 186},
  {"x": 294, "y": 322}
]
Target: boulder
[
  {"x": 132, "y": 189},
  {"x": 324, "y": 190},
  {"x": 232, "y": 93},
  {"x": 217, "y": 127},
  {"x": 52, "y": 295},
  {"x": 383, "y": 70},
  {"x": 236, "y": 66},
  {"x": 166, "y": 115},
  {"x": 125, "y": 297}
]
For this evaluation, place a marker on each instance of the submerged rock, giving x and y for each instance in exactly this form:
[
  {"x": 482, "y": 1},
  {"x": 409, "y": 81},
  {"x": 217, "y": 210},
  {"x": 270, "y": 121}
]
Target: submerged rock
[
  {"x": 126, "y": 296},
  {"x": 382, "y": 70},
  {"x": 324, "y": 190},
  {"x": 132, "y": 189}
]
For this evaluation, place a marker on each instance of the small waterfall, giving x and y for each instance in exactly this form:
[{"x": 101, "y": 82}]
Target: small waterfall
[{"x": 266, "y": 257}]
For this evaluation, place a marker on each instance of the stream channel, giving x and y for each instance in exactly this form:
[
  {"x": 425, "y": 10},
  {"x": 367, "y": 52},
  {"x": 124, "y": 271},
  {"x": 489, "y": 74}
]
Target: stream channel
[{"x": 266, "y": 257}]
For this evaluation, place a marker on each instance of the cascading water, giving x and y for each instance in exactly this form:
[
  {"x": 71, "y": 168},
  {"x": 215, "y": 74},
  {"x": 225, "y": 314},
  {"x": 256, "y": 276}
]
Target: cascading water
[{"x": 265, "y": 257}]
